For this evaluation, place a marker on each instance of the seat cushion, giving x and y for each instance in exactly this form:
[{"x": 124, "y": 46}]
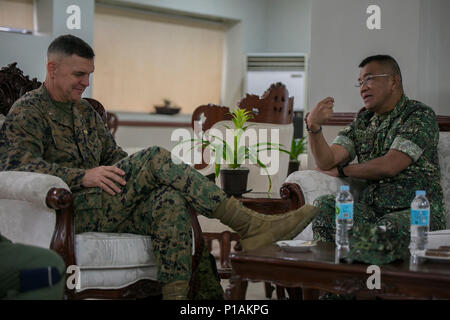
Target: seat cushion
[
  {"x": 98, "y": 250},
  {"x": 105, "y": 279},
  {"x": 113, "y": 260}
]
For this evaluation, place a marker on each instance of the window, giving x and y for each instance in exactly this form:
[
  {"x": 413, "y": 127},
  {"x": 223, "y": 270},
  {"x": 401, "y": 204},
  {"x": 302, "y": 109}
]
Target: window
[
  {"x": 143, "y": 58},
  {"x": 16, "y": 14}
]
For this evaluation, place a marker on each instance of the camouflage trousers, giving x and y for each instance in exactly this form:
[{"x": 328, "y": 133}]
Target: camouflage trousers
[
  {"x": 155, "y": 202},
  {"x": 368, "y": 242}
]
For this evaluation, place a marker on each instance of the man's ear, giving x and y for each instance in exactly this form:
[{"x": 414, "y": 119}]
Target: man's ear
[
  {"x": 397, "y": 80},
  {"x": 51, "y": 68}
]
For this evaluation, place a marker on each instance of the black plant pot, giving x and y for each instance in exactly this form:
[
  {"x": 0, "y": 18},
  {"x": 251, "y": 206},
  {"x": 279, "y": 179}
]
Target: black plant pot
[
  {"x": 293, "y": 166},
  {"x": 234, "y": 181}
]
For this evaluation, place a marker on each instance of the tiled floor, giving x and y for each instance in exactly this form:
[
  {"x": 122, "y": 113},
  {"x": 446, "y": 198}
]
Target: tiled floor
[{"x": 255, "y": 290}]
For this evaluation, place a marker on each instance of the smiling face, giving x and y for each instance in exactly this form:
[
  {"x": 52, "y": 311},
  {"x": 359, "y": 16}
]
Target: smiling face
[
  {"x": 68, "y": 77},
  {"x": 380, "y": 94}
]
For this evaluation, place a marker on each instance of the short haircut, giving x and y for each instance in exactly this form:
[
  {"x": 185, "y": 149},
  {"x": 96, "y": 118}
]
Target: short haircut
[
  {"x": 68, "y": 45},
  {"x": 384, "y": 60}
]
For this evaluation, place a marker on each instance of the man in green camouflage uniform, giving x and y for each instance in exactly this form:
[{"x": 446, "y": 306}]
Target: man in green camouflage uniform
[
  {"x": 395, "y": 140},
  {"x": 52, "y": 130},
  {"x": 30, "y": 273}
]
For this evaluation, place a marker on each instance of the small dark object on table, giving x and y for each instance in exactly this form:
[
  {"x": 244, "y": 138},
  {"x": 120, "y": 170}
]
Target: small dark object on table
[{"x": 167, "y": 108}]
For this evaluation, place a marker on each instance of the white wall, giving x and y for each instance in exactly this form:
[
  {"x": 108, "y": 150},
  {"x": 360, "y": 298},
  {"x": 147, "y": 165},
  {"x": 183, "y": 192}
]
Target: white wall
[
  {"x": 288, "y": 26},
  {"x": 434, "y": 55},
  {"x": 233, "y": 66},
  {"x": 340, "y": 40},
  {"x": 414, "y": 32}
]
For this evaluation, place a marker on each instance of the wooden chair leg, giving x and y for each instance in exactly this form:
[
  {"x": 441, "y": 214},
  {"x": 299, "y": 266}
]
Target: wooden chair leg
[
  {"x": 209, "y": 244},
  {"x": 295, "y": 293},
  {"x": 310, "y": 294},
  {"x": 281, "y": 295},
  {"x": 268, "y": 288},
  {"x": 225, "y": 249},
  {"x": 237, "y": 289}
]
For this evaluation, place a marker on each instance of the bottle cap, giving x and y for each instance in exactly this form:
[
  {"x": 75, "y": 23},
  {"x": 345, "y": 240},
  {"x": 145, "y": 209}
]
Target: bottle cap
[
  {"x": 344, "y": 188},
  {"x": 420, "y": 193}
]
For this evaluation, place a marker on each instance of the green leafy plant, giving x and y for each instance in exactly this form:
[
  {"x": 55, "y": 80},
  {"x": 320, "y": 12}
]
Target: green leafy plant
[
  {"x": 298, "y": 146},
  {"x": 234, "y": 154}
]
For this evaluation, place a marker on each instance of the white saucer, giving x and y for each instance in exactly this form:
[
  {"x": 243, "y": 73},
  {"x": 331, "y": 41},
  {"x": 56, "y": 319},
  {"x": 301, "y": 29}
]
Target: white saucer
[{"x": 422, "y": 254}]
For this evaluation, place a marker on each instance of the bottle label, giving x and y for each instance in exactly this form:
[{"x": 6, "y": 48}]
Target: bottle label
[
  {"x": 420, "y": 217},
  {"x": 344, "y": 210}
]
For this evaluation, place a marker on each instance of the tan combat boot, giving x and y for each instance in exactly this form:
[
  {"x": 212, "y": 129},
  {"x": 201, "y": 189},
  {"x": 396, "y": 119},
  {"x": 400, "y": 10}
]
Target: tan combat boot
[
  {"x": 256, "y": 229},
  {"x": 177, "y": 290}
]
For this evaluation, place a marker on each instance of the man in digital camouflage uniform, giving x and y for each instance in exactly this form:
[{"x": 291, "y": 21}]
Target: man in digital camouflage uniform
[
  {"x": 52, "y": 130},
  {"x": 395, "y": 140}
]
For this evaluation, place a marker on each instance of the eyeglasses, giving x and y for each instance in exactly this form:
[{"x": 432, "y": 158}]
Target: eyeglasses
[{"x": 369, "y": 78}]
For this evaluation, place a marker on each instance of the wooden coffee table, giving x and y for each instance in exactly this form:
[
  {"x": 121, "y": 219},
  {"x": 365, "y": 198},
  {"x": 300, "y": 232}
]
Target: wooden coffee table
[{"x": 318, "y": 270}]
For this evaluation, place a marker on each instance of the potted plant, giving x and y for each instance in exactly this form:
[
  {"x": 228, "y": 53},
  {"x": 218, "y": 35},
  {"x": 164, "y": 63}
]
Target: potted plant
[
  {"x": 298, "y": 146},
  {"x": 233, "y": 153}
]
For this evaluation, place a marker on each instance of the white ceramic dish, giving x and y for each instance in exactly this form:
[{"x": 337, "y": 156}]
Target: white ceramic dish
[
  {"x": 422, "y": 255},
  {"x": 296, "y": 245}
]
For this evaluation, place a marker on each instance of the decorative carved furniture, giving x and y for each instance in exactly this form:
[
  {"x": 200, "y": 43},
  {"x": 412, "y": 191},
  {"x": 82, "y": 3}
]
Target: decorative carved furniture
[
  {"x": 27, "y": 201},
  {"x": 319, "y": 269},
  {"x": 109, "y": 118},
  {"x": 274, "y": 107},
  {"x": 13, "y": 84}
]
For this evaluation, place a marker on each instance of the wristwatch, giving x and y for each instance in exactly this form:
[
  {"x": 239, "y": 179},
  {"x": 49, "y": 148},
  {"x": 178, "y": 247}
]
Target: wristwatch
[
  {"x": 307, "y": 127},
  {"x": 340, "y": 169}
]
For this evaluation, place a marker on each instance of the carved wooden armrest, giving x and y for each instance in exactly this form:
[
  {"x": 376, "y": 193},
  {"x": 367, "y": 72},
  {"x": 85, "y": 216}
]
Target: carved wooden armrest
[
  {"x": 62, "y": 242},
  {"x": 293, "y": 193}
]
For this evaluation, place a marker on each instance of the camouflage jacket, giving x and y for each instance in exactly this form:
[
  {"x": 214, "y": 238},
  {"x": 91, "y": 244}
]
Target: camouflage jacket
[
  {"x": 411, "y": 128},
  {"x": 61, "y": 139}
]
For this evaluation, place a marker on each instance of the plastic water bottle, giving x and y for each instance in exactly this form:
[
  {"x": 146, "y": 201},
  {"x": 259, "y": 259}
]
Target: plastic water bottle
[
  {"x": 344, "y": 217},
  {"x": 420, "y": 223}
]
